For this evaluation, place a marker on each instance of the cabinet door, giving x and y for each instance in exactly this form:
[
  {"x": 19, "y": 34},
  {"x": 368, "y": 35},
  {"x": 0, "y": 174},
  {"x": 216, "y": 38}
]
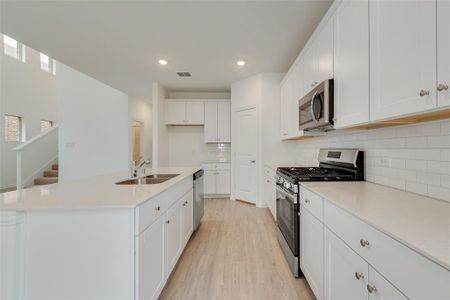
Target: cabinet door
[
  {"x": 311, "y": 68},
  {"x": 173, "y": 236},
  {"x": 224, "y": 122},
  {"x": 175, "y": 112},
  {"x": 343, "y": 267},
  {"x": 324, "y": 53},
  {"x": 402, "y": 57},
  {"x": 284, "y": 107},
  {"x": 381, "y": 289},
  {"x": 209, "y": 182},
  {"x": 187, "y": 217},
  {"x": 195, "y": 112},
  {"x": 351, "y": 63},
  {"x": 270, "y": 194},
  {"x": 312, "y": 254},
  {"x": 211, "y": 122},
  {"x": 298, "y": 74},
  {"x": 223, "y": 182},
  {"x": 443, "y": 42},
  {"x": 150, "y": 262}
]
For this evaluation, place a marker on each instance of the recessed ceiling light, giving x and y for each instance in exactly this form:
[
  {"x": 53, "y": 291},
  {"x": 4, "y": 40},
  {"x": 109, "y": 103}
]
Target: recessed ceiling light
[
  {"x": 241, "y": 63},
  {"x": 162, "y": 62}
]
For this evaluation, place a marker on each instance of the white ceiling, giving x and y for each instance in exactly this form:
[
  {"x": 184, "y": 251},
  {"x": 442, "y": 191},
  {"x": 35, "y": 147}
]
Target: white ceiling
[{"x": 120, "y": 42}]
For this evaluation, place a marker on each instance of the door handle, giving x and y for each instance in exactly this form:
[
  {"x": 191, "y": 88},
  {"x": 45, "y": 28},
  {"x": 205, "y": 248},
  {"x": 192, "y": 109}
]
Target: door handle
[{"x": 253, "y": 161}]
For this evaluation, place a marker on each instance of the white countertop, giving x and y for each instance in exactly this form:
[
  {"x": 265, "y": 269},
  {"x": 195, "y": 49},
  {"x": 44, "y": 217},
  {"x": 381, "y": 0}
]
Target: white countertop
[
  {"x": 419, "y": 222},
  {"x": 99, "y": 192}
]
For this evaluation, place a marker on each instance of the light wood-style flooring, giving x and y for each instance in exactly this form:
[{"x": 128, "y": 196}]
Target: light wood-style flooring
[{"x": 234, "y": 255}]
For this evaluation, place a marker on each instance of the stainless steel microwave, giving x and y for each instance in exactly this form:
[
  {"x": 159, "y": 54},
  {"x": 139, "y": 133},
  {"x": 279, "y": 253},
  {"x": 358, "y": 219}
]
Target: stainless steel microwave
[{"x": 316, "y": 109}]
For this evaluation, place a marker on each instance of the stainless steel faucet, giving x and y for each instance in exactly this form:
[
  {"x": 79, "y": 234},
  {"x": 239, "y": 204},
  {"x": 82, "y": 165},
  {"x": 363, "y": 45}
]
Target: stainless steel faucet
[{"x": 137, "y": 164}]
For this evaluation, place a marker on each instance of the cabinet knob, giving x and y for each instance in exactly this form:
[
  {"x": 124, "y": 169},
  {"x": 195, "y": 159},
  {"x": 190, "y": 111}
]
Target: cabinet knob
[
  {"x": 424, "y": 93},
  {"x": 359, "y": 275},
  {"x": 307, "y": 201},
  {"x": 364, "y": 242},
  {"x": 267, "y": 181},
  {"x": 158, "y": 208},
  {"x": 371, "y": 288},
  {"x": 441, "y": 87},
  {"x": 168, "y": 221}
]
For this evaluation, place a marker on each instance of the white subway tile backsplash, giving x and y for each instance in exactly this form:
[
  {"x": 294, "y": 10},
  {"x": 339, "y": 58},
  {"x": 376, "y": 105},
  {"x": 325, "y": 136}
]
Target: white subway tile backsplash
[
  {"x": 414, "y": 157},
  {"x": 428, "y": 129},
  {"x": 439, "y": 192},
  {"x": 445, "y": 181},
  {"x": 429, "y": 178},
  {"x": 415, "y": 187}
]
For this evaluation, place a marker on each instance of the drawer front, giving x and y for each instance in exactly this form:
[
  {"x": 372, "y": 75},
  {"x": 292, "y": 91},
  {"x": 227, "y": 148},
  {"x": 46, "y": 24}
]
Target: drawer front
[
  {"x": 312, "y": 202},
  {"x": 413, "y": 274},
  {"x": 149, "y": 211},
  {"x": 216, "y": 166}
]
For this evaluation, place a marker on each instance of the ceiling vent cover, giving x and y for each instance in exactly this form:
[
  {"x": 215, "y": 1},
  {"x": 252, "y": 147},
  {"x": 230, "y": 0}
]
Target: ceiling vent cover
[{"x": 184, "y": 74}]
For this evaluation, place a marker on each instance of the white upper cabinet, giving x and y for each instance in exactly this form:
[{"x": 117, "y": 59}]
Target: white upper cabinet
[
  {"x": 443, "y": 38},
  {"x": 286, "y": 96},
  {"x": 184, "y": 113},
  {"x": 402, "y": 57},
  {"x": 195, "y": 114},
  {"x": 318, "y": 59},
  {"x": 351, "y": 63},
  {"x": 176, "y": 112},
  {"x": 218, "y": 122}
]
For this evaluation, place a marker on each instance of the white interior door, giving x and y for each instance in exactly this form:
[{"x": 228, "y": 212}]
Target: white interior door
[{"x": 246, "y": 170}]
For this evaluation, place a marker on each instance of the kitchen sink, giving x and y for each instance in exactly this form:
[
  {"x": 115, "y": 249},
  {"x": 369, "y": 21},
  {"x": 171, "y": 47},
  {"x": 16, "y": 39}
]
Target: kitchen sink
[{"x": 150, "y": 179}]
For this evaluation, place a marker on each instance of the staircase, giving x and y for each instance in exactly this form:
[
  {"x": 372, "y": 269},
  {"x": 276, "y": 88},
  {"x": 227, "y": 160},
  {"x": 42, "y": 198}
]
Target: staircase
[{"x": 50, "y": 176}]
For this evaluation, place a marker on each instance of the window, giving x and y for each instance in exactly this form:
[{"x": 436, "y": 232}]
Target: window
[
  {"x": 47, "y": 64},
  {"x": 13, "y": 129},
  {"x": 13, "y": 48},
  {"x": 46, "y": 124}
]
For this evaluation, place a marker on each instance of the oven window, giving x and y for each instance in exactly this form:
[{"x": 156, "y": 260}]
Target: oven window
[{"x": 287, "y": 220}]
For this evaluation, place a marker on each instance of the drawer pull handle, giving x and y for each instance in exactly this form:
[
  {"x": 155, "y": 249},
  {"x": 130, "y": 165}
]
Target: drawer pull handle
[
  {"x": 307, "y": 201},
  {"x": 424, "y": 93},
  {"x": 168, "y": 221},
  {"x": 371, "y": 288},
  {"x": 359, "y": 275},
  {"x": 158, "y": 208},
  {"x": 364, "y": 242}
]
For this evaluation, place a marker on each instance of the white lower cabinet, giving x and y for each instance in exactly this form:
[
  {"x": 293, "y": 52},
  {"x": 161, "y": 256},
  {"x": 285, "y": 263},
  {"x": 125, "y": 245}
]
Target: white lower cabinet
[
  {"x": 311, "y": 251},
  {"x": 187, "y": 217},
  {"x": 346, "y": 273},
  {"x": 173, "y": 233},
  {"x": 270, "y": 192},
  {"x": 159, "y": 247},
  {"x": 346, "y": 258},
  {"x": 348, "y": 276},
  {"x": 217, "y": 179},
  {"x": 381, "y": 289},
  {"x": 151, "y": 261}
]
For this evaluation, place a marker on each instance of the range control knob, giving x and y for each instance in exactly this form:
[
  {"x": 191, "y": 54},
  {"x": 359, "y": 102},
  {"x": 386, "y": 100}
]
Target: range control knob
[{"x": 287, "y": 185}]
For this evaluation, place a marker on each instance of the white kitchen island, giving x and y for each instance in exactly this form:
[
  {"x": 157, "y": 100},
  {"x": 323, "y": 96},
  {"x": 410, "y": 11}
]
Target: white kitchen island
[{"x": 93, "y": 239}]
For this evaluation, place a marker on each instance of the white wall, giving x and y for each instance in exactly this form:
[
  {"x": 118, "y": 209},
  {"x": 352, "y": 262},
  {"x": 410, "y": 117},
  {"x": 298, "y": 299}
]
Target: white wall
[
  {"x": 141, "y": 111},
  {"x": 413, "y": 158},
  {"x": 160, "y": 144},
  {"x": 93, "y": 126},
  {"x": 29, "y": 92}
]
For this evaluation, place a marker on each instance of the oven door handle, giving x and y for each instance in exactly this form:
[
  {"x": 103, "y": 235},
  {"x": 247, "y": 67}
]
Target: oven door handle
[
  {"x": 291, "y": 197},
  {"x": 313, "y": 113}
]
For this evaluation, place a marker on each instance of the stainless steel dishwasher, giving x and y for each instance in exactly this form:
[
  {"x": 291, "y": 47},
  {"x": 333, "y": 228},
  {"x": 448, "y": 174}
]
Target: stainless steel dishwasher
[{"x": 198, "y": 198}]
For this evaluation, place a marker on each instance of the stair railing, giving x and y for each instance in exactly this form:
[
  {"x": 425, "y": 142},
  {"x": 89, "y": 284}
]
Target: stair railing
[{"x": 36, "y": 154}]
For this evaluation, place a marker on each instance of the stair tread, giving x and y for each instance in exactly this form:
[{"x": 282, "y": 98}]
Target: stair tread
[
  {"x": 51, "y": 173},
  {"x": 45, "y": 180}
]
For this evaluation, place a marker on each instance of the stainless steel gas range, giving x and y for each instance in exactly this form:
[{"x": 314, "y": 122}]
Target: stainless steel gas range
[{"x": 334, "y": 165}]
